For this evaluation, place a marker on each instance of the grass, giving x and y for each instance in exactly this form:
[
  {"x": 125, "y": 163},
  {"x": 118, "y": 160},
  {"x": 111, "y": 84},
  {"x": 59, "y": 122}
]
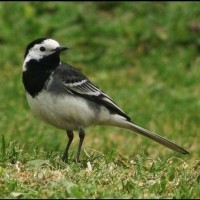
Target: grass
[
  {"x": 97, "y": 174},
  {"x": 146, "y": 57}
]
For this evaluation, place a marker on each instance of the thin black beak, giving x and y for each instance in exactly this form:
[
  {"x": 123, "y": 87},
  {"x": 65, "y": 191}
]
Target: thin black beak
[{"x": 60, "y": 49}]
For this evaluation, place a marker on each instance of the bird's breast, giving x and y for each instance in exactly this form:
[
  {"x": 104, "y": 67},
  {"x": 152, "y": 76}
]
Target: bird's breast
[{"x": 66, "y": 112}]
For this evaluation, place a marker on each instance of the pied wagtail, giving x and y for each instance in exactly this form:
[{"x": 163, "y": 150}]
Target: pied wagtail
[{"x": 64, "y": 97}]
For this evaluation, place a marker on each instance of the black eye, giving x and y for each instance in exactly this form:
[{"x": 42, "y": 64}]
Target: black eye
[{"x": 42, "y": 49}]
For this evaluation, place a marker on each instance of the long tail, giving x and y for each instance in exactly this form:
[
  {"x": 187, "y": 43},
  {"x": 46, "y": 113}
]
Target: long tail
[{"x": 153, "y": 136}]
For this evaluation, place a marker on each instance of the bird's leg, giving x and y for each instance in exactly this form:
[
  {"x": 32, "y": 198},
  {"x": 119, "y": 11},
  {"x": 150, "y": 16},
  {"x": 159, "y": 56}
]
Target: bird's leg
[
  {"x": 70, "y": 135},
  {"x": 81, "y": 136}
]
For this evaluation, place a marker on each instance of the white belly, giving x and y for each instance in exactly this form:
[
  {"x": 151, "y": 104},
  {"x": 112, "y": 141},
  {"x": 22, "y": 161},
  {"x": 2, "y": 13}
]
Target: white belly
[{"x": 65, "y": 112}]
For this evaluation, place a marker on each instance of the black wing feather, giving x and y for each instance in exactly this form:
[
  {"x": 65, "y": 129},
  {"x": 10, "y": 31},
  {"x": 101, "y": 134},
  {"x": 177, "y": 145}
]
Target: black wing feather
[{"x": 78, "y": 84}]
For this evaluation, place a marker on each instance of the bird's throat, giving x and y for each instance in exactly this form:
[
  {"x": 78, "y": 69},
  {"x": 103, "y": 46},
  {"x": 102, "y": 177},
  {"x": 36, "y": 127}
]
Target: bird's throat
[{"x": 37, "y": 73}]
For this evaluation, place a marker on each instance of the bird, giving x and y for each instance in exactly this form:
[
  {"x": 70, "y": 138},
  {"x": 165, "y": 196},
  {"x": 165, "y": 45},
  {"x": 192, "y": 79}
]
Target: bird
[{"x": 62, "y": 96}]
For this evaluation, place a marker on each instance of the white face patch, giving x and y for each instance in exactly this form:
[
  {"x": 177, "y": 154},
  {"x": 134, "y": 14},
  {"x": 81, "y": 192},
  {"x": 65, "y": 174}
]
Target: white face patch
[{"x": 41, "y": 50}]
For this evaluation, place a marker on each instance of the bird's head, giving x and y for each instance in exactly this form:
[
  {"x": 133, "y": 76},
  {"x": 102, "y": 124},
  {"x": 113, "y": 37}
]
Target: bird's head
[{"x": 41, "y": 48}]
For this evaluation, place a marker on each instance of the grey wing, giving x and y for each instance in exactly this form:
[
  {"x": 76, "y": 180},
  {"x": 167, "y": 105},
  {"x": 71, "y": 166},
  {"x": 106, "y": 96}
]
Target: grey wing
[{"x": 76, "y": 83}]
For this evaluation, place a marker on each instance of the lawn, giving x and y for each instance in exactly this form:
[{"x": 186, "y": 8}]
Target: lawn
[{"x": 143, "y": 55}]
